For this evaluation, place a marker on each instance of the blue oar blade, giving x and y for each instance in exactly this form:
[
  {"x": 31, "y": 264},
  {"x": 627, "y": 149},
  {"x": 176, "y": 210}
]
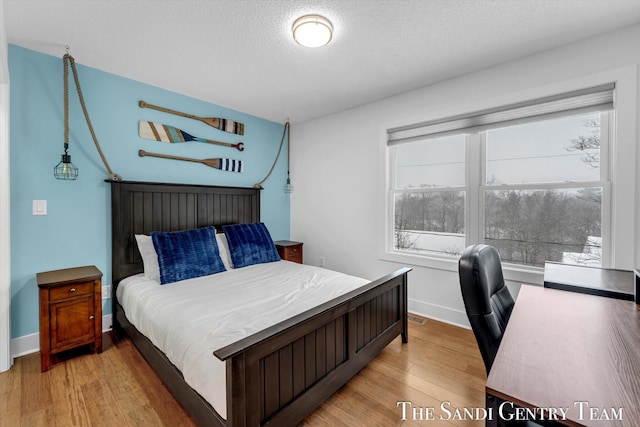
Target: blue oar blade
[{"x": 231, "y": 165}]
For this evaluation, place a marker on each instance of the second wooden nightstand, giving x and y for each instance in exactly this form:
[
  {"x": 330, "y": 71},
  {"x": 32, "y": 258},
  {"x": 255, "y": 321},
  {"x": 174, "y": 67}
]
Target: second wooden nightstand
[
  {"x": 289, "y": 251},
  {"x": 70, "y": 310}
]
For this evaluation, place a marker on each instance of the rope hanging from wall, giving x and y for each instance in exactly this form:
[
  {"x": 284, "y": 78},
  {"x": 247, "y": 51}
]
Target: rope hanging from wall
[
  {"x": 68, "y": 59},
  {"x": 285, "y": 132}
]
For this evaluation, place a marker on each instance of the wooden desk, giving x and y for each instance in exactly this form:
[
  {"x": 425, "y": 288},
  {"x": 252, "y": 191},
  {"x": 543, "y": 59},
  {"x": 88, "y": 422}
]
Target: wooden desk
[
  {"x": 561, "y": 348},
  {"x": 604, "y": 282}
]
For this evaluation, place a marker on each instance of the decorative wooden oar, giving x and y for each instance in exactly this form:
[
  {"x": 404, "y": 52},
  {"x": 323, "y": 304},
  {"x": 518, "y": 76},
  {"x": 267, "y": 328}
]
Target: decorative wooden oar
[
  {"x": 164, "y": 133},
  {"x": 216, "y": 122},
  {"x": 229, "y": 165}
]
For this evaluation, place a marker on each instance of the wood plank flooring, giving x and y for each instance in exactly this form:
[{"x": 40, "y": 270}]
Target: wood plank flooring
[{"x": 441, "y": 363}]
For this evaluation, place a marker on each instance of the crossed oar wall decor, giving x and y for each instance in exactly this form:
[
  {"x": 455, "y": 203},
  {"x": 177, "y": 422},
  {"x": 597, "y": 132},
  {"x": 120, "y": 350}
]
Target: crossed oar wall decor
[{"x": 164, "y": 133}]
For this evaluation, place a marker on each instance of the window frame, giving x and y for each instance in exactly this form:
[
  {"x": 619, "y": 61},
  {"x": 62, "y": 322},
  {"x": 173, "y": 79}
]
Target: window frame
[
  {"x": 417, "y": 190},
  {"x": 604, "y": 182},
  {"x": 619, "y": 204},
  {"x": 475, "y": 187}
]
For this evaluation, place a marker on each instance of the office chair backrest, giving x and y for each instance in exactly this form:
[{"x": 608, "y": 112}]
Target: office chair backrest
[{"x": 487, "y": 299}]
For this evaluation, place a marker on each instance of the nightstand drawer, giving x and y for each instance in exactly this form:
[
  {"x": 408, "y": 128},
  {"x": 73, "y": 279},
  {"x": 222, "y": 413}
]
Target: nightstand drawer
[
  {"x": 70, "y": 291},
  {"x": 294, "y": 258}
]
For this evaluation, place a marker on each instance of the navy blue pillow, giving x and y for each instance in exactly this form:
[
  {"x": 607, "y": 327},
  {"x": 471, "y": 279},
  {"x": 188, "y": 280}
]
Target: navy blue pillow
[
  {"x": 250, "y": 244},
  {"x": 187, "y": 254}
]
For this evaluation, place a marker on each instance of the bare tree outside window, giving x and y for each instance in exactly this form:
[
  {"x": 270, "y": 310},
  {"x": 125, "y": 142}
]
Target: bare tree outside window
[
  {"x": 533, "y": 226},
  {"x": 589, "y": 144},
  {"x": 431, "y": 221}
]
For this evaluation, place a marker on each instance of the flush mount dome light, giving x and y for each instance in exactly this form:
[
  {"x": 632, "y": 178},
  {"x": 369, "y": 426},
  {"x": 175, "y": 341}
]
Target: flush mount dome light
[{"x": 312, "y": 31}]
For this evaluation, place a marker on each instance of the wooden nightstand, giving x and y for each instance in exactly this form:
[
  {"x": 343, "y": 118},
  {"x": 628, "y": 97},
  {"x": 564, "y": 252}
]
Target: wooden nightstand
[
  {"x": 289, "y": 251},
  {"x": 70, "y": 311}
]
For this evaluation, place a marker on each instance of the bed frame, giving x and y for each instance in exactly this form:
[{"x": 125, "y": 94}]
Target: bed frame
[{"x": 279, "y": 375}]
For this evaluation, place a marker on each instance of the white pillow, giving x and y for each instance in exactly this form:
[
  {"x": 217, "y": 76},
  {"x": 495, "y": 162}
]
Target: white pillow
[
  {"x": 149, "y": 257},
  {"x": 223, "y": 248}
]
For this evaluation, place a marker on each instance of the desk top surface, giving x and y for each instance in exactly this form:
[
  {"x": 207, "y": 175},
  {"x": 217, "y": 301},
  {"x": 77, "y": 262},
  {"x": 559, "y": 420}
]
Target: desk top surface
[
  {"x": 593, "y": 277},
  {"x": 561, "y": 348}
]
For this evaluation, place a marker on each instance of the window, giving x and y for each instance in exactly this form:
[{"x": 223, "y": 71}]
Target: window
[
  {"x": 530, "y": 179},
  {"x": 430, "y": 194}
]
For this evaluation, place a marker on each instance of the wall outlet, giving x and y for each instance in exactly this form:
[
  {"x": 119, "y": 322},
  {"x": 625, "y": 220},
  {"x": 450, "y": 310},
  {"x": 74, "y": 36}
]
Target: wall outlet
[
  {"x": 106, "y": 292},
  {"x": 322, "y": 262}
]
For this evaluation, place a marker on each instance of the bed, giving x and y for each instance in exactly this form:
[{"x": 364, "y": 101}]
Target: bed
[{"x": 275, "y": 376}]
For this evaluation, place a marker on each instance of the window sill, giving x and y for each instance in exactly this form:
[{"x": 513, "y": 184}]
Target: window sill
[{"x": 511, "y": 272}]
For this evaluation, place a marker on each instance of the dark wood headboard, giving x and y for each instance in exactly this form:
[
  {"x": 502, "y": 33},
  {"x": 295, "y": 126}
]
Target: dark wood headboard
[{"x": 142, "y": 207}]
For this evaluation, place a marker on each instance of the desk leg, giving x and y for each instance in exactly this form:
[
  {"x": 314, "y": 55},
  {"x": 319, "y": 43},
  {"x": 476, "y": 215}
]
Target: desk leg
[
  {"x": 493, "y": 403},
  {"x": 492, "y": 409}
]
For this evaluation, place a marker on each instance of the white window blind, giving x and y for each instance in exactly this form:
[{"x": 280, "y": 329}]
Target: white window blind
[{"x": 599, "y": 98}]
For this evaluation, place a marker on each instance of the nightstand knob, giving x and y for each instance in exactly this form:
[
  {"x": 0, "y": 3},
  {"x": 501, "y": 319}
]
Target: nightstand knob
[
  {"x": 90, "y": 317},
  {"x": 72, "y": 290}
]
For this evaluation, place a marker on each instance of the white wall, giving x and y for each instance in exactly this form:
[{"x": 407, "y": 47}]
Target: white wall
[
  {"x": 5, "y": 230},
  {"x": 336, "y": 209}
]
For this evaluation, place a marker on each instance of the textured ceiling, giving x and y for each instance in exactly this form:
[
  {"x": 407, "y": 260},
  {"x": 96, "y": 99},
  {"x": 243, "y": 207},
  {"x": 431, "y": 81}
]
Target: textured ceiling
[{"x": 240, "y": 54}]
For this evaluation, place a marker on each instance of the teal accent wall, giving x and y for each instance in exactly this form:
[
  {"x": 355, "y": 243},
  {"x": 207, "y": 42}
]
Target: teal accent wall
[{"x": 77, "y": 229}]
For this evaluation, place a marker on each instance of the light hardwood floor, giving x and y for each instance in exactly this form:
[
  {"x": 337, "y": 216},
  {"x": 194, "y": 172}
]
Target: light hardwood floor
[{"x": 441, "y": 363}]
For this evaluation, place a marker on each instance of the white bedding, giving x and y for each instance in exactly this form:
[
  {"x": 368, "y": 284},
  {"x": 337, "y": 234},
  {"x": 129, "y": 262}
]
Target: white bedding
[{"x": 189, "y": 320}]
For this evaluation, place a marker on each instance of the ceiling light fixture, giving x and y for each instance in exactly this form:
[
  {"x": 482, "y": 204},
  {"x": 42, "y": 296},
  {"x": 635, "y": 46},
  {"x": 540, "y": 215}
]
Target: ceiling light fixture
[{"x": 312, "y": 31}]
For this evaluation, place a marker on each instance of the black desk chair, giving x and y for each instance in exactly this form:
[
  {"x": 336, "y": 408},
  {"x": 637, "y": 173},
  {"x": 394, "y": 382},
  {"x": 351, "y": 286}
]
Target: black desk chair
[
  {"x": 487, "y": 299},
  {"x": 488, "y": 304}
]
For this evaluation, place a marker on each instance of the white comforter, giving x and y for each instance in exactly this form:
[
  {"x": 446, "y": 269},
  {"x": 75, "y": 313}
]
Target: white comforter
[{"x": 189, "y": 320}]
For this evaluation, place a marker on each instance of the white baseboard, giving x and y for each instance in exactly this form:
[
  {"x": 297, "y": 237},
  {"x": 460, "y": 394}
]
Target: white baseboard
[
  {"x": 28, "y": 344},
  {"x": 440, "y": 313},
  {"x": 25, "y": 345}
]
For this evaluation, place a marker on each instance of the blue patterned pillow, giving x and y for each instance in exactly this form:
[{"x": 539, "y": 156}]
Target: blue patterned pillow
[
  {"x": 187, "y": 254},
  {"x": 250, "y": 244}
]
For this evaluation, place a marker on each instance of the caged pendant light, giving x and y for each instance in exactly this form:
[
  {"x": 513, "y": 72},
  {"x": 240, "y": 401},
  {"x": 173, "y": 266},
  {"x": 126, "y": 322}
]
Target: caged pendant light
[
  {"x": 65, "y": 170},
  {"x": 288, "y": 188}
]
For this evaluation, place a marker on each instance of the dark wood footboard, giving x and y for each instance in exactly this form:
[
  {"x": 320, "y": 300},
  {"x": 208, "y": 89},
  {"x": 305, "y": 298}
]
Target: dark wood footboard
[{"x": 279, "y": 376}]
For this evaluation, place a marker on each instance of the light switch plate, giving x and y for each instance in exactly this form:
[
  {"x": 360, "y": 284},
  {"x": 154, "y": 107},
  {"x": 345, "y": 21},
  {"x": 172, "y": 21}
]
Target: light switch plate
[{"x": 39, "y": 207}]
